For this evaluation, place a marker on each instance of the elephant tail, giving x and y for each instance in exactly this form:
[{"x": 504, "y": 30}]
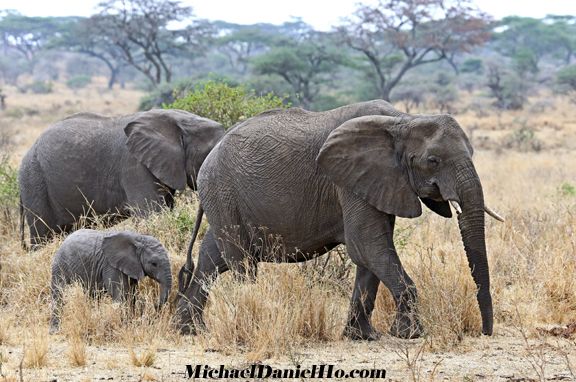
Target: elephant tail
[
  {"x": 185, "y": 274},
  {"x": 22, "y": 239}
]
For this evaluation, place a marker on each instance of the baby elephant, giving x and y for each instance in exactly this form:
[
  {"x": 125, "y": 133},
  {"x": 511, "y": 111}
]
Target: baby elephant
[{"x": 110, "y": 261}]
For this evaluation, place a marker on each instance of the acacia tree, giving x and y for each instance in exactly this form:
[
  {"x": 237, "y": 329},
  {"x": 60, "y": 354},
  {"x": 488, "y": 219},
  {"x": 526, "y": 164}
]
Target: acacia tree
[
  {"x": 565, "y": 30},
  {"x": 241, "y": 44},
  {"x": 24, "y": 37},
  {"x": 396, "y": 36},
  {"x": 140, "y": 29},
  {"x": 83, "y": 37},
  {"x": 527, "y": 41},
  {"x": 305, "y": 63}
]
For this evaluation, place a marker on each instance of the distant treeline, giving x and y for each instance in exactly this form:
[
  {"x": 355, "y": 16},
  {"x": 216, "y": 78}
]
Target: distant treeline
[{"x": 399, "y": 50}]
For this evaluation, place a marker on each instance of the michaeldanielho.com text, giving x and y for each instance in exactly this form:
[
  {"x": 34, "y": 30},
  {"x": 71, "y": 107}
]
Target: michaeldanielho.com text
[{"x": 265, "y": 371}]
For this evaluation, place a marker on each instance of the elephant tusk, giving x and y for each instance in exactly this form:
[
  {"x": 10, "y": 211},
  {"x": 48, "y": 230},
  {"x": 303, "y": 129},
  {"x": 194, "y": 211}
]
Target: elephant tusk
[
  {"x": 456, "y": 206},
  {"x": 492, "y": 213}
]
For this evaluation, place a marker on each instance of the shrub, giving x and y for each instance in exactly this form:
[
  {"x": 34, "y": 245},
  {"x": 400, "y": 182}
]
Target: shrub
[
  {"x": 8, "y": 193},
  {"x": 226, "y": 104},
  {"x": 472, "y": 65},
  {"x": 78, "y": 82},
  {"x": 567, "y": 189},
  {"x": 523, "y": 139},
  {"x": 566, "y": 78}
]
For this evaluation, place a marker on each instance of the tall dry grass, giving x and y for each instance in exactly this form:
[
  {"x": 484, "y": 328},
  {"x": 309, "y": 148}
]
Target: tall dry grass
[{"x": 532, "y": 258}]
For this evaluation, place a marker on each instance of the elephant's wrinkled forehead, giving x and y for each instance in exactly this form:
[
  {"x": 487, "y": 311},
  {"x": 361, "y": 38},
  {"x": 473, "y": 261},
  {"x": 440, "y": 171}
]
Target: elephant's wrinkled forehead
[
  {"x": 440, "y": 132},
  {"x": 150, "y": 243}
]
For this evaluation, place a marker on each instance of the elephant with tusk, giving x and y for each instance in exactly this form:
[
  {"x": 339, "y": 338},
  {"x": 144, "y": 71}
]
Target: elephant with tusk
[{"x": 319, "y": 179}]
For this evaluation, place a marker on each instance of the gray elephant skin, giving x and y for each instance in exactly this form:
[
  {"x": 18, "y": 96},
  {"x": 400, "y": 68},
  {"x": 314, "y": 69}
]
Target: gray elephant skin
[
  {"x": 320, "y": 179},
  {"x": 108, "y": 261},
  {"x": 92, "y": 164}
]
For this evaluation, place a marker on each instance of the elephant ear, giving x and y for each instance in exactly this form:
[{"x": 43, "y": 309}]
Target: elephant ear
[
  {"x": 121, "y": 252},
  {"x": 361, "y": 156},
  {"x": 155, "y": 139},
  {"x": 441, "y": 208}
]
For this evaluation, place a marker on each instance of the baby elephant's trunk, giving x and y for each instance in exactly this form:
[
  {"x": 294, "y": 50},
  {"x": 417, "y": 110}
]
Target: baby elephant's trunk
[{"x": 165, "y": 287}]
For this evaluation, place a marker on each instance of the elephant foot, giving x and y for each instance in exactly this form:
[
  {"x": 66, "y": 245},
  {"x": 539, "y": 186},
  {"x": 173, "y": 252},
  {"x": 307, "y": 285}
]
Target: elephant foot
[
  {"x": 187, "y": 330},
  {"x": 406, "y": 326},
  {"x": 361, "y": 333},
  {"x": 54, "y": 329},
  {"x": 192, "y": 329}
]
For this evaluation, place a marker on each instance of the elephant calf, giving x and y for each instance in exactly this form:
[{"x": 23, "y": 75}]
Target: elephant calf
[{"x": 109, "y": 261}]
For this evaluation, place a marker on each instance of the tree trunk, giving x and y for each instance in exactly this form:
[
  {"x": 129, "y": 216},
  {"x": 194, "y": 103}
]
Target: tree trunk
[{"x": 113, "y": 77}]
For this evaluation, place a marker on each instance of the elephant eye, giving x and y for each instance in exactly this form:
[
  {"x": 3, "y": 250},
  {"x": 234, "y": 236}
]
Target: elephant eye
[
  {"x": 433, "y": 161},
  {"x": 154, "y": 264}
]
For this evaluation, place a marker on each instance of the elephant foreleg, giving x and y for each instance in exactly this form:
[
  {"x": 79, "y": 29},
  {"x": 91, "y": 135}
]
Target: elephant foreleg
[
  {"x": 358, "y": 326},
  {"x": 116, "y": 284},
  {"x": 370, "y": 244}
]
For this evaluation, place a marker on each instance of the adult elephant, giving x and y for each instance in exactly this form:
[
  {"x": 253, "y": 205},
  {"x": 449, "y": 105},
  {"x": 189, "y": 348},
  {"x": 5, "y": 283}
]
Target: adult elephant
[
  {"x": 92, "y": 164},
  {"x": 320, "y": 179}
]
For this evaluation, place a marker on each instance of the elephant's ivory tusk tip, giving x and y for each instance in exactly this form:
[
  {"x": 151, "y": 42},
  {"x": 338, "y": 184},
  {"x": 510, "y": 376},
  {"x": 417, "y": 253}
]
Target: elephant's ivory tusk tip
[
  {"x": 456, "y": 206},
  {"x": 492, "y": 213}
]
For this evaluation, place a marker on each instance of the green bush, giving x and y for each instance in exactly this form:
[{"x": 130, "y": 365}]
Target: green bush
[
  {"x": 567, "y": 189},
  {"x": 8, "y": 193},
  {"x": 78, "y": 82},
  {"x": 226, "y": 104}
]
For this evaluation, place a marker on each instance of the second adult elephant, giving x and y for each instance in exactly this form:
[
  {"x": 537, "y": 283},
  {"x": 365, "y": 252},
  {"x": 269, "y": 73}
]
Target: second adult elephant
[
  {"x": 339, "y": 176},
  {"x": 89, "y": 163}
]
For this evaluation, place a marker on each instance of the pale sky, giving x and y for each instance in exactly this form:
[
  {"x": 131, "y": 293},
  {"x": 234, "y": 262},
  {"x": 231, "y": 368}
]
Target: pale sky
[{"x": 321, "y": 14}]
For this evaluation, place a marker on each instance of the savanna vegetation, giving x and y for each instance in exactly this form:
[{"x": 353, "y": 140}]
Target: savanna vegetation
[{"x": 511, "y": 85}]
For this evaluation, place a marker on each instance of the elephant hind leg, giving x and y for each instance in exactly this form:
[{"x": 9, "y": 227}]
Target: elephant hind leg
[
  {"x": 241, "y": 250},
  {"x": 56, "y": 304},
  {"x": 192, "y": 302},
  {"x": 42, "y": 230}
]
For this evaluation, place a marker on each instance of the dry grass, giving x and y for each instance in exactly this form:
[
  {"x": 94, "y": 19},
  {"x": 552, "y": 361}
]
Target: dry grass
[
  {"x": 77, "y": 351},
  {"x": 291, "y": 308},
  {"x": 146, "y": 357},
  {"x": 298, "y": 313},
  {"x": 36, "y": 348}
]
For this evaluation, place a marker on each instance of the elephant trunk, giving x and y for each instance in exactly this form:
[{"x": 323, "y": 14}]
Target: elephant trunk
[
  {"x": 471, "y": 223},
  {"x": 165, "y": 287}
]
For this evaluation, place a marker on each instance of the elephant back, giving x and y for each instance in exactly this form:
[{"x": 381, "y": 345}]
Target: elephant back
[{"x": 79, "y": 257}]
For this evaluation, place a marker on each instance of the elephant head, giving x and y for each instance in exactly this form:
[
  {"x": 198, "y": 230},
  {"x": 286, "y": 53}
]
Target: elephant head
[
  {"x": 394, "y": 162},
  {"x": 137, "y": 256},
  {"x": 172, "y": 144}
]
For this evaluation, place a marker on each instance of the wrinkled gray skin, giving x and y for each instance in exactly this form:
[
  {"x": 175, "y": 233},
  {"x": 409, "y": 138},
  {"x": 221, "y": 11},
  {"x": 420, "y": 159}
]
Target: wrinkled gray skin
[
  {"x": 110, "y": 261},
  {"x": 91, "y": 164},
  {"x": 319, "y": 179}
]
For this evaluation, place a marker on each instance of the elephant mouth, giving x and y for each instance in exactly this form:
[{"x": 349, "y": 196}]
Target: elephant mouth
[{"x": 430, "y": 190}]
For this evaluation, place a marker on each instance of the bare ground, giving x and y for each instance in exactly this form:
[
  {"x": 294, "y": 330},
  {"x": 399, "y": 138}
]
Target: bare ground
[{"x": 503, "y": 357}]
